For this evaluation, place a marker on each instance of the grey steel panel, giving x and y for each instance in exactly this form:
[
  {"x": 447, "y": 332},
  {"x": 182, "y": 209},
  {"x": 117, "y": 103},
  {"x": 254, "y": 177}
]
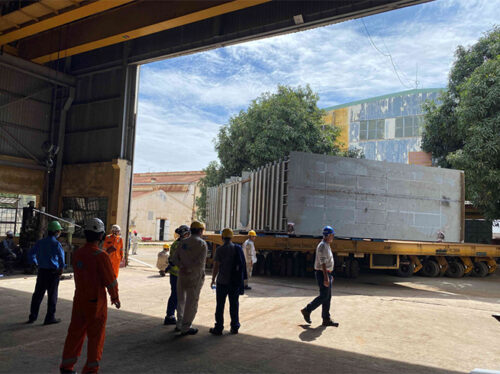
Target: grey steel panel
[{"x": 371, "y": 199}]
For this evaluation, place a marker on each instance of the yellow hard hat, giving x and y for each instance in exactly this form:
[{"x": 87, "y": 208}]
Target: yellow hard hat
[
  {"x": 227, "y": 233},
  {"x": 197, "y": 225},
  {"x": 166, "y": 246},
  {"x": 252, "y": 233}
]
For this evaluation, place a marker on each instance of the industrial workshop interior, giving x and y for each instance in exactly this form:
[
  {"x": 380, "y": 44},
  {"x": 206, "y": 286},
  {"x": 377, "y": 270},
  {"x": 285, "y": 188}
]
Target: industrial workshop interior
[{"x": 329, "y": 167}]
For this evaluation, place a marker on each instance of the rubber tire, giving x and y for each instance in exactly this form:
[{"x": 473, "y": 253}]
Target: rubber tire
[
  {"x": 480, "y": 269},
  {"x": 455, "y": 270},
  {"x": 353, "y": 269},
  {"x": 405, "y": 270},
  {"x": 430, "y": 268}
]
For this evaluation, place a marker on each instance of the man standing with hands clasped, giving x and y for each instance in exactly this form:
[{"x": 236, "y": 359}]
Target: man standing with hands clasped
[{"x": 323, "y": 266}]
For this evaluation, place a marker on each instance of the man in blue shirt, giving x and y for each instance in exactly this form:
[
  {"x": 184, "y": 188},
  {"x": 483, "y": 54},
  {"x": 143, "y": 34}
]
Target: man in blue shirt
[{"x": 48, "y": 254}]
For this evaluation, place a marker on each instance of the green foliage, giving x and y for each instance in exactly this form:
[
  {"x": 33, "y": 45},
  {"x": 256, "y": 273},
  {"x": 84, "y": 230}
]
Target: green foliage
[
  {"x": 464, "y": 131},
  {"x": 479, "y": 117},
  {"x": 273, "y": 125}
]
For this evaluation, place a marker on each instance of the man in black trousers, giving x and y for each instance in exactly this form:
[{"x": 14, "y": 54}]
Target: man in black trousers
[
  {"x": 230, "y": 272},
  {"x": 48, "y": 254},
  {"x": 323, "y": 266}
]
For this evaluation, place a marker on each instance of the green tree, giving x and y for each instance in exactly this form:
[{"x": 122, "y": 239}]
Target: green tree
[
  {"x": 464, "y": 132},
  {"x": 273, "y": 125}
]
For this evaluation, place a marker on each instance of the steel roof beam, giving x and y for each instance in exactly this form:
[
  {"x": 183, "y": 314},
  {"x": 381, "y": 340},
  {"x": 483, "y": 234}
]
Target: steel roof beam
[
  {"x": 41, "y": 72},
  {"x": 129, "y": 22},
  {"x": 59, "y": 19}
]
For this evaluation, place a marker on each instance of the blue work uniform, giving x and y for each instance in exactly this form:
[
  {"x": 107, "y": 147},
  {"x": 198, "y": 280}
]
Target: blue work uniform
[{"x": 48, "y": 254}]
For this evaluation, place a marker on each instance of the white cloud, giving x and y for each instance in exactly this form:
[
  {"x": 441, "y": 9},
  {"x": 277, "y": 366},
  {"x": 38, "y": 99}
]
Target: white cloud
[{"x": 185, "y": 100}]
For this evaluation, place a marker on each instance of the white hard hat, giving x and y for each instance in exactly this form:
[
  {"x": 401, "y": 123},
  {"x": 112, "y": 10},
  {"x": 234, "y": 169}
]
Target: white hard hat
[
  {"x": 94, "y": 224},
  {"x": 116, "y": 227},
  {"x": 10, "y": 232}
]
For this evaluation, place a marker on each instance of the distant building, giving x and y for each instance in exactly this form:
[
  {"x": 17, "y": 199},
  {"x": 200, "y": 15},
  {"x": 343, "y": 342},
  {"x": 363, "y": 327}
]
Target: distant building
[
  {"x": 386, "y": 128},
  {"x": 161, "y": 202}
]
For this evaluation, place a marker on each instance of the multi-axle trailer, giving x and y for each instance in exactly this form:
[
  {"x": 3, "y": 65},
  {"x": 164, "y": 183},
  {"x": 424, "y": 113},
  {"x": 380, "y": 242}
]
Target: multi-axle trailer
[{"x": 294, "y": 256}]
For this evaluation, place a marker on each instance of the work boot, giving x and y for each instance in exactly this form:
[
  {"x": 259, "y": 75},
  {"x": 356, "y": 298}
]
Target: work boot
[
  {"x": 52, "y": 322},
  {"x": 234, "y": 331},
  {"x": 248, "y": 288},
  {"x": 169, "y": 321},
  {"x": 329, "y": 322},
  {"x": 29, "y": 321},
  {"x": 306, "y": 314},
  {"x": 191, "y": 331},
  {"x": 66, "y": 371},
  {"x": 215, "y": 331}
]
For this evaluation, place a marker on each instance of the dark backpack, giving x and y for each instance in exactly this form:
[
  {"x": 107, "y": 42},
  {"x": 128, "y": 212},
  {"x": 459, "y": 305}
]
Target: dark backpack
[{"x": 237, "y": 267}]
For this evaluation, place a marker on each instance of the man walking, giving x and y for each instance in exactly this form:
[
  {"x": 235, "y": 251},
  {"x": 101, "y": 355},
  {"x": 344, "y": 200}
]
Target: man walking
[
  {"x": 93, "y": 275},
  {"x": 183, "y": 232},
  {"x": 250, "y": 257},
  {"x": 113, "y": 245},
  {"x": 190, "y": 258},
  {"x": 323, "y": 266},
  {"x": 135, "y": 243},
  {"x": 48, "y": 254},
  {"x": 230, "y": 272}
]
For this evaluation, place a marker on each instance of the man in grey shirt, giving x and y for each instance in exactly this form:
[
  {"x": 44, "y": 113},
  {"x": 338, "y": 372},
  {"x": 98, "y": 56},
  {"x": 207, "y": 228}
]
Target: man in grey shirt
[
  {"x": 323, "y": 266},
  {"x": 190, "y": 257}
]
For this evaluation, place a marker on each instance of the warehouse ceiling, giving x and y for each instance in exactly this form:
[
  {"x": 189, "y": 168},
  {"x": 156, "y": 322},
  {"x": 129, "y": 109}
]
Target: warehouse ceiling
[{"x": 48, "y": 30}]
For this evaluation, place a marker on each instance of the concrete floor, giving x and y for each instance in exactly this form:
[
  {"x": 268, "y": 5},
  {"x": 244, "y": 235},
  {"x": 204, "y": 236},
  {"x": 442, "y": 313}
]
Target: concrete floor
[{"x": 387, "y": 325}]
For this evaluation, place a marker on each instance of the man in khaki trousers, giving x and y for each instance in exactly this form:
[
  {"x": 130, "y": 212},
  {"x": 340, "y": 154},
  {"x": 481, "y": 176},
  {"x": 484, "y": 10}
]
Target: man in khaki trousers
[{"x": 190, "y": 257}]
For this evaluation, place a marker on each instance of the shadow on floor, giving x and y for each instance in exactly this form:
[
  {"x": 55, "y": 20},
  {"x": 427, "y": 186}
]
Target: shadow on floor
[{"x": 137, "y": 343}]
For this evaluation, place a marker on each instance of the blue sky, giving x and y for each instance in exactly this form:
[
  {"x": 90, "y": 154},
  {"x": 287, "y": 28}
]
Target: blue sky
[{"x": 183, "y": 101}]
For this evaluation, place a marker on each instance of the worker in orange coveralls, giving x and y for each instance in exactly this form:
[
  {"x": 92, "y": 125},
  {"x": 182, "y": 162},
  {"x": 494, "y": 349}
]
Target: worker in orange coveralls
[
  {"x": 93, "y": 275},
  {"x": 113, "y": 245}
]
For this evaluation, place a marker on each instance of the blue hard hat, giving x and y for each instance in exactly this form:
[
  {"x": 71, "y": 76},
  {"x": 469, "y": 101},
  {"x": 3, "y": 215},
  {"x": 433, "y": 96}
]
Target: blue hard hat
[{"x": 327, "y": 230}]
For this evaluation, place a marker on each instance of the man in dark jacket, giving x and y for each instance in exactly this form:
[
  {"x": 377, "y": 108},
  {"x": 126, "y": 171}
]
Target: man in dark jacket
[{"x": 230, "y": 272}]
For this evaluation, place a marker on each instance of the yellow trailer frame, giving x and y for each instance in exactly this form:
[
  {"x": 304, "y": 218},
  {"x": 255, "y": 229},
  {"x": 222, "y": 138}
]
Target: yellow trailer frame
[{"x": 468, "y": 253}]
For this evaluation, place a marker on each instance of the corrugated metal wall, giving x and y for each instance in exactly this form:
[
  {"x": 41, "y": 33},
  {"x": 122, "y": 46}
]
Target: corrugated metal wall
[
  {"x": 256, "y": 201},
  {"x": 95, "y": 130},
  {"x": 25, "y": 113}
]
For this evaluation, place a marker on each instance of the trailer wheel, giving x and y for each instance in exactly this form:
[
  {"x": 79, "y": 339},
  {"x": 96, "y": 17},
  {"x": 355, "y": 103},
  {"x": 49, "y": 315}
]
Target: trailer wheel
[
  {"x": 455, "y": 269},
  {"x": 480, "y": 269},
  {"x": 405, "y": 269},
  {"x": 430, "y": 268},
  {"x": 353, "y": 271}
]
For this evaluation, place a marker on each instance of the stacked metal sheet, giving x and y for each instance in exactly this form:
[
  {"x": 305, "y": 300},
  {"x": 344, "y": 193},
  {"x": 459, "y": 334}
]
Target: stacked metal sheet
[{"x": 360, "y": 198}]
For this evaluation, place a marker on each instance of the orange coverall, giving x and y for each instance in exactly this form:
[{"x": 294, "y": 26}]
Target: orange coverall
[
  {"x": 93, "y": 275},
  {"x": 113, "y": 245}
]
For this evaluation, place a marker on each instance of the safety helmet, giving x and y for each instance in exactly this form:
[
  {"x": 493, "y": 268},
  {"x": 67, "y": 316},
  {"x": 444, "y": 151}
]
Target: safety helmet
[
  {"x": 10, "y": 233},
  {"x": 94, "y": 225},
  {"x": 115, "y": 228},
  {"x": 181, "y": 230},
  {"x": 135, "y": 232},
  {"x": 252, "y": 233},
  {"x": 54, "y": 226},
  {"x": 197, "y": 225},
  {"x": 227, "y": 233},
  {"x": 327, "y": 230},
  {"x": 166, "y": 246}
]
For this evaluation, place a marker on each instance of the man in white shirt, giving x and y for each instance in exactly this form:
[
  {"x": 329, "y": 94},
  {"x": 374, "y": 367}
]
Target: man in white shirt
[
  {"x": 250, "y": 257},
  {"x": 323, "y": 266}
]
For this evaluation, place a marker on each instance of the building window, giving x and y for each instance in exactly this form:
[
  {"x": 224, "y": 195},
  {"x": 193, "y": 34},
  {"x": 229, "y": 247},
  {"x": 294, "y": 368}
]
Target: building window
[
  {"x": 372, "y": 129},
  {"x": 11, "y": 211},
  {"x": 85, "y": 207},
  {"x": 407, "y": 127}
]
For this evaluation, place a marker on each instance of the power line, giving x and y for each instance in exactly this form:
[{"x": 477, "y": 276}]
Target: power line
[{"x": 388, "y": 55}]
